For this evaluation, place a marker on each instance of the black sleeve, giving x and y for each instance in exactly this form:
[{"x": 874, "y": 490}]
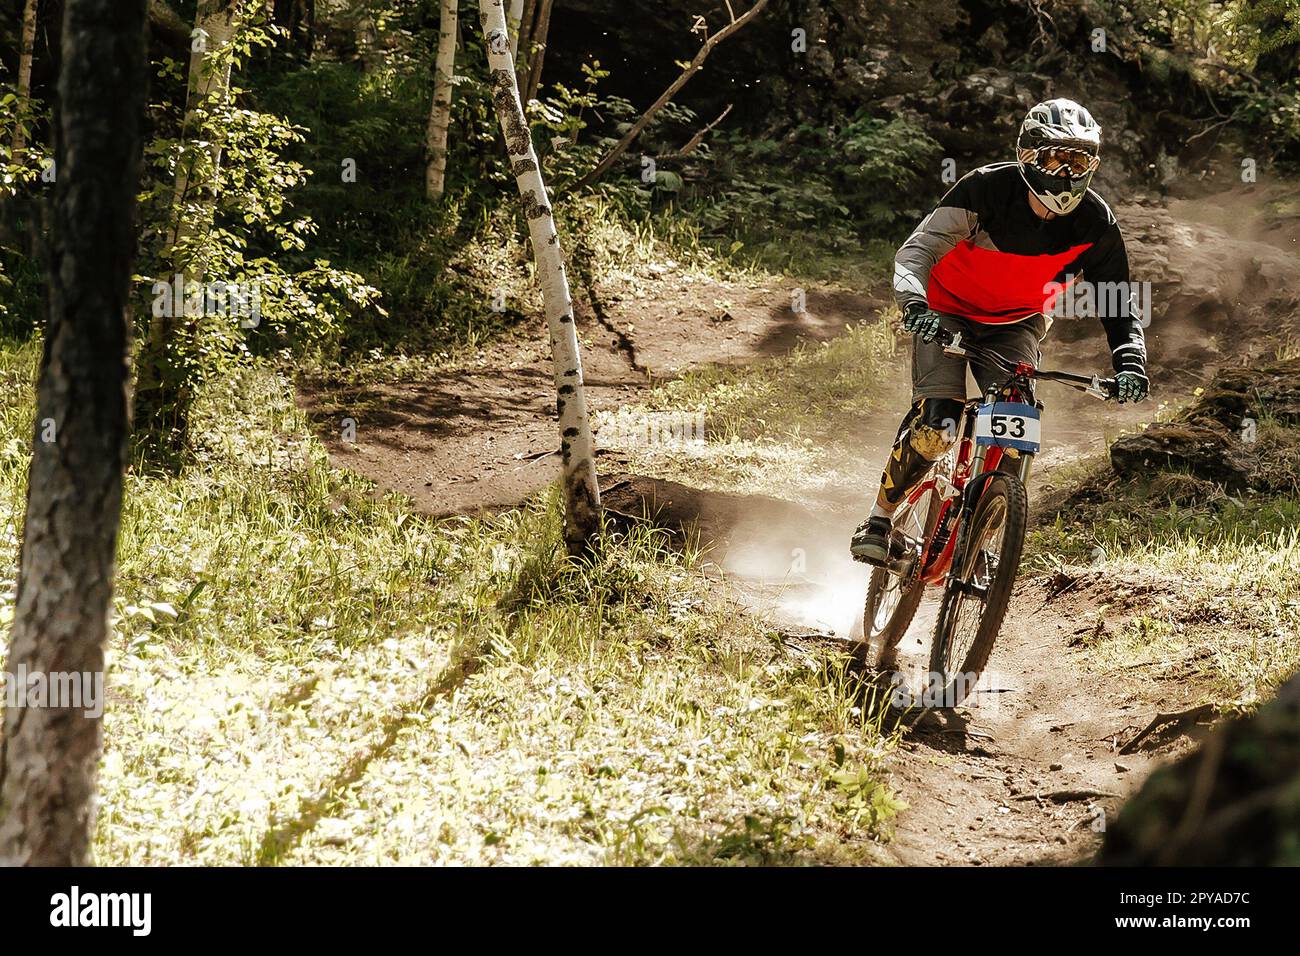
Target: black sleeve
[{"x": 1105, "y": 268}]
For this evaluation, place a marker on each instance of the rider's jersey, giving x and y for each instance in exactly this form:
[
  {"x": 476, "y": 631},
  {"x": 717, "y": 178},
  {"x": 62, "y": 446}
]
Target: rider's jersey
[{"x": 983, "y": 254}]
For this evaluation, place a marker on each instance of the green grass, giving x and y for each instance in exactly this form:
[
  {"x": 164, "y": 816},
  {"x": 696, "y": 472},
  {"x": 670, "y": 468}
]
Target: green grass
[
  {"x": 1187, "y": 578},
  {"x": 790, "y": 424},
  {"x": 301, "y": 670}
]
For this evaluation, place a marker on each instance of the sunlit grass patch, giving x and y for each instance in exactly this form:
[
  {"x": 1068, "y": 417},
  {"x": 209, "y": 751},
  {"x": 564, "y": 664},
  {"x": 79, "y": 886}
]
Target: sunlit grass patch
[
  {"x": 302, "y": 670},
  {"x": 1209, "y": 587},
  {"x": 685, "y": 739},
  {"x": 794, "y": 422}
]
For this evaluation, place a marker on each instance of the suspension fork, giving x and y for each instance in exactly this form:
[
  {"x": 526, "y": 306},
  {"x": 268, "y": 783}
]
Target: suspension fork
[{"x": 1026, "y": 465}]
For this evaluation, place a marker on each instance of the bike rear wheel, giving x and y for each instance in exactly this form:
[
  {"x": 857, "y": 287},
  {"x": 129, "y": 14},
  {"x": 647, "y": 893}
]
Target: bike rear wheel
[
  {"x": 975, "y": 598},
  {"x": 892, "y": 601}
]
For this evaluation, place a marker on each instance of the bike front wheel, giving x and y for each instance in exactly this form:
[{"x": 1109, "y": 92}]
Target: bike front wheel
[
  {"x": 975, "y": 598},
  {"x": 892, "y": 601}
]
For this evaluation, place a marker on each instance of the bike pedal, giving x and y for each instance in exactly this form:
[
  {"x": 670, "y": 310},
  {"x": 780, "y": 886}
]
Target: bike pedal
[{"x": 873, "y": 562}]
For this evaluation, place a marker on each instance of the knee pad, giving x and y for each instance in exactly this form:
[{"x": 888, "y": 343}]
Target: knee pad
[{"x": 934, "y": 428}]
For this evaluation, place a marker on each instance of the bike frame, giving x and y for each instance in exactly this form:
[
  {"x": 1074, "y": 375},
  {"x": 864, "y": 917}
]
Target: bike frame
[{"x": 974, "y": 461}]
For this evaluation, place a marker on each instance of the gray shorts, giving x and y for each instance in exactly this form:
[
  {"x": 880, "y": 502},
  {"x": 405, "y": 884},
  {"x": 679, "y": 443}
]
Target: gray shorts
[{"x": 937, "y": 375}]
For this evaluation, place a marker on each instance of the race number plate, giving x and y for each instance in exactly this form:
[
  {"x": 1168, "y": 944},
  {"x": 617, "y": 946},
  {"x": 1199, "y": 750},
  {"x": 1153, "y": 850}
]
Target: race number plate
[{"x": 1010, "y": 425}]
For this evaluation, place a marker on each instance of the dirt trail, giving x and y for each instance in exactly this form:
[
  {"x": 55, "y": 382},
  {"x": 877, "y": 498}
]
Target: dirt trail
[
  {"x": 1028, "y": 771},
  {"x": 484, "y": 437}
]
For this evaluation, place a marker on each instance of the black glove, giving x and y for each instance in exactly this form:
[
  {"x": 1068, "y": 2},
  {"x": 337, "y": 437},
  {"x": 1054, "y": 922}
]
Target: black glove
[
  {"x": 1131, "y": 375},
  {"x": 920, "y": 321},
  {"x": 1132, "y": 386}
]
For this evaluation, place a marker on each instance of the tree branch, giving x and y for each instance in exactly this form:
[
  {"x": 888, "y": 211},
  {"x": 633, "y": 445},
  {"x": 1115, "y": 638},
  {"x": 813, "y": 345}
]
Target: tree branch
[
  {"x": 666, "y": 97},
  {"x": 693, "y": 143}
]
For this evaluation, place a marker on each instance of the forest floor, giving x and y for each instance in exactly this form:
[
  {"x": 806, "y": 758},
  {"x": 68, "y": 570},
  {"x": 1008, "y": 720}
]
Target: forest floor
[{"x": 1028, "y": 769}]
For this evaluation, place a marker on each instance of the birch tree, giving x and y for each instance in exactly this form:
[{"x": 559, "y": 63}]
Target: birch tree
[
  {"x": 435, "y": 137},
  {"x": 215, "y": 22},
  {"x": 164, "y": 378},
  {"x": 516, "y": 24},
  {"x": 581, "y": 492},
  {"x": 50, "y": 749},
  {"x": 24, "y": 78}
]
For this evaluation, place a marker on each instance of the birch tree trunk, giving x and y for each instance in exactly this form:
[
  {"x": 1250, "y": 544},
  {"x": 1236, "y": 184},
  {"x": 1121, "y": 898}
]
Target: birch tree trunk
[
  {"x": 435, "y": 137},
  {"x": 516, "y": 18},
  {"x": 164, "y": 369},
  {"x": 49, "y": 754},
  {"x": 209, "y": 84},
  {"x": 581, "y": 492},
  {"x": 24, "y": 76}
]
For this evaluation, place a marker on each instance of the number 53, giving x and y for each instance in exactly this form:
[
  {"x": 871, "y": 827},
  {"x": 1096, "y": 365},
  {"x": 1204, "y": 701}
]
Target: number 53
[{"x": 1002, "y": 425}]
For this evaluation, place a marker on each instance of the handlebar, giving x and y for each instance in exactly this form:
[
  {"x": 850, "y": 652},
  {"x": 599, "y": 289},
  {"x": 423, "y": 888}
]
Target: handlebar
[{"x": 1093, "y": 385}]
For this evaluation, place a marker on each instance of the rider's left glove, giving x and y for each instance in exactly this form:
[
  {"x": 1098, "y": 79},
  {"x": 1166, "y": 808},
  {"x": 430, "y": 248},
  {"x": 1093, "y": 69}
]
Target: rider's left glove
[
  {"x": 921, "y": 322},
  {"x": 1132, "y": 386}
]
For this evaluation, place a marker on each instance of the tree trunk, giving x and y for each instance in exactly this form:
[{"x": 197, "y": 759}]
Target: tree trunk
[
  {"x": 49, "y": 754},
  {"x": 209, "y": 84},
  {"x": 516, "y": 21},
  {"x": 581, "y": 492},
  {"x": 435, "y": 137},
  {"x": 538, "y": 57},
  {"x": 165, "y": 372},
  {"x": 24, "y": 78},
  {"x": 525, "y": 43}
]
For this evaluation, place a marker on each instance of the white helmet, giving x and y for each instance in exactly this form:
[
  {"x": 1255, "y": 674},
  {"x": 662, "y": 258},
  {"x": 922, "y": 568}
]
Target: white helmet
[{"x": 1058, "y": 150}]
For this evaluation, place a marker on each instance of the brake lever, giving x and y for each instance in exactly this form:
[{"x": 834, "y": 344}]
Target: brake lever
[
  {"x": 1101, "y": 388},
  {"x": 953, "y": 345}
]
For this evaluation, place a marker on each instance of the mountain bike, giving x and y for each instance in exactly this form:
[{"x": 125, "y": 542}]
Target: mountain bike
[{"x": 963, "y": 529}]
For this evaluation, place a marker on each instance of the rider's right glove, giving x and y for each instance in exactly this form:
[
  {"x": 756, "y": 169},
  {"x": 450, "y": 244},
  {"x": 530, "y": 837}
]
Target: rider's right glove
[
  {"x": 920, "y": 321},
  {"x": 1132, "y": 386}
]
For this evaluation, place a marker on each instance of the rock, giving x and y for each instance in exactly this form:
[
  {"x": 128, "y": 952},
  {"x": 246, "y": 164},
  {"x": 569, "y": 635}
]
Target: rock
[
  {"x": 1202, "y": 450},
  {"x": 1238, "y": 394}
]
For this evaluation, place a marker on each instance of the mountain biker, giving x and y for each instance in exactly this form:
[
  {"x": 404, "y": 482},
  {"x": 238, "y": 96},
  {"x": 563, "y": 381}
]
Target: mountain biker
[{"x": 988, "y": 262}]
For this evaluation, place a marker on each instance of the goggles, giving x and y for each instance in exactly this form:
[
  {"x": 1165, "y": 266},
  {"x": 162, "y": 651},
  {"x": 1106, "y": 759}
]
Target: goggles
[{"x": 1061, "y": 160}]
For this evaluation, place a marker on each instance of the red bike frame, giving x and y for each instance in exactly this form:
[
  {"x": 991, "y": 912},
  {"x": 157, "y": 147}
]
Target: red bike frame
[{"x": 935, "y": 567}]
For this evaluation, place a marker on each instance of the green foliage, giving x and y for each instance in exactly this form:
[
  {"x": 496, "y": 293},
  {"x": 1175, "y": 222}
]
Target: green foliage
[
  {"x": 1276, "y": 114},
  {"x": 1275, "y": 23},
  {"x": 219, "y": 218},
  {"x": 20, "y": 188},
  {"x": 234, "y": 221},
  {"x": 21, "y": 172},
  {"x": 412, "y": 250},
  {"x": 559, "y": 119},
  {"x": 830, "y": 187},
  {"x": 21, "y": 301}
]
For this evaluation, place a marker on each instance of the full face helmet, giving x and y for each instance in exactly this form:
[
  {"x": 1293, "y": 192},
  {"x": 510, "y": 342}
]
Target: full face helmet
[{"x": 1057, "y": 150}]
